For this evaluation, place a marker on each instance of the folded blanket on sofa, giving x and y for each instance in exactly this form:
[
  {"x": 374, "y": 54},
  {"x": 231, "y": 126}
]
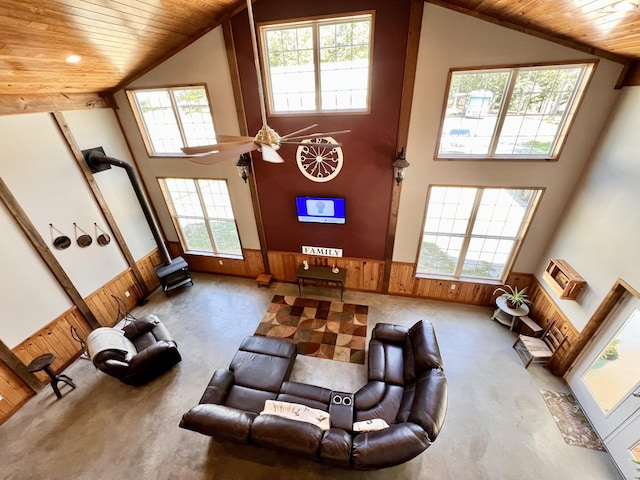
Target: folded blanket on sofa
[{"x": 296, "y": 411}]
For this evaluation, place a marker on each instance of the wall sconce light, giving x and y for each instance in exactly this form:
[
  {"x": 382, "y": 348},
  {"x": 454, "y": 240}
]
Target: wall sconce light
[
  {"x": 244, "y": 166},
  {"x": 399, "y": 165}
]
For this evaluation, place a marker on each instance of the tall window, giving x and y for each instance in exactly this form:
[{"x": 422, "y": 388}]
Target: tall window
[
  {"x": 319, "y": 65},
  {"x": 201, "y": 211},
  {"x": 171, "y": 118},
  {"x": 521, "y": 112},
  {"x": 474, "y": 232}
]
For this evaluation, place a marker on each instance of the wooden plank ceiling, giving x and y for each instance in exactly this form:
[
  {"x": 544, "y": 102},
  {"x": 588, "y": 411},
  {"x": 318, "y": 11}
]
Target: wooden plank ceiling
[{"x": 119, "y": 40}]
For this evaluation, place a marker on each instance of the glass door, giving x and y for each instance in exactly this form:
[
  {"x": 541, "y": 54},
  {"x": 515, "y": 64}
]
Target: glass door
[{"x": 606, "y": 378}]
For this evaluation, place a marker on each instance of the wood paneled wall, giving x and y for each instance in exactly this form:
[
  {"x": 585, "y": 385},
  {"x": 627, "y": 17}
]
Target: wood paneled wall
[
  {"x": 250, "y": 266},
  {"x": 362, "y": 274},
  {"x": 56, "y": 336},
  {"x": 545, "y": 311},
  {"x": 404, "y": 282}
]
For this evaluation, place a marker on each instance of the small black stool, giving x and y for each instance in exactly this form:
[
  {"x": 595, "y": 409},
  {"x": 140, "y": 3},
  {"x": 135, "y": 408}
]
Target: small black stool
[{"x": 43, "y": 362}]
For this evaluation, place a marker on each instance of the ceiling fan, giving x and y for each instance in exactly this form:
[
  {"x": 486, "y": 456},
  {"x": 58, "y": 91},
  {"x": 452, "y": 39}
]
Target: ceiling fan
[{"x": 267, "y": 141}]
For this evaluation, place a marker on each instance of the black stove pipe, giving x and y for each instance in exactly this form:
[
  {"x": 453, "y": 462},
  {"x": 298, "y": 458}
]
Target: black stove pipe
[{"x": 97, "y": 158}]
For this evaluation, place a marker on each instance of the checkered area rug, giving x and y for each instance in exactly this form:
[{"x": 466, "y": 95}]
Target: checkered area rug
[{"x": 319, "y": 328}]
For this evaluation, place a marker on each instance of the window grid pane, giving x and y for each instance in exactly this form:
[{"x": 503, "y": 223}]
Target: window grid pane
[
  {"x": 498, "y": 219},
  {"x": 530, "y": 121},
  {"x": 202, "y": 211},
  {"x": 291, "y": 68},
  {"x": 343, "y": 52},
  {"x": 173, "y": 118},
  {"x": 195, "y": 115},
  {"x": 159, "y": 120}
]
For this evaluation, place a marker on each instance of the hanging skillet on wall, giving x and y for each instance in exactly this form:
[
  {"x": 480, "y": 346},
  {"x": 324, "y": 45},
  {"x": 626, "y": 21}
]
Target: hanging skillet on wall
[
  {"x": 83, "y": 240},
  {"x": 102, "y": 238},
  {"x": 60, "y": 241}
]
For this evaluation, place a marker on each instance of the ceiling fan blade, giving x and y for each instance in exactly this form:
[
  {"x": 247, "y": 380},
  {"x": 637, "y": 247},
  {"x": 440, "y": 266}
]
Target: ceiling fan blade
[
  {"x": 316, "y": 135},
  {"x": 221, "y": 147},
  {"x": 211, "y": 158},
  {"x": 309, "y": 143},
  {"x": 233, "y": 138},
  {"x": 270, "y": 155},
  {"x": 291, "y": 135}
]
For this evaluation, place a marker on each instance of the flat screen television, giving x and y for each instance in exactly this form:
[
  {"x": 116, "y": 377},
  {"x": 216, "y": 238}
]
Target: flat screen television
[{"x": 320, "y": 210}]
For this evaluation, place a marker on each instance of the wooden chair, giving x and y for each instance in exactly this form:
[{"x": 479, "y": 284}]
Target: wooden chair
[{"x": 539, "y": 350}]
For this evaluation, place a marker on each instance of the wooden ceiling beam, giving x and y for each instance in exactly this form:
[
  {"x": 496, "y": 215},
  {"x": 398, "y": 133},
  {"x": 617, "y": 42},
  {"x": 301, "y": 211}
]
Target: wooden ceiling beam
[{"x": 14, "y": 104}]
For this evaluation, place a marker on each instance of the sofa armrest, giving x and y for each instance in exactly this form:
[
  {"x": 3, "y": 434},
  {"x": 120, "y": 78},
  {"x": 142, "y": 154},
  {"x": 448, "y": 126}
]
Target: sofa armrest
[
  {"x": 425, "y": 347},
  {"x": 430, "y": 403},
  {"x": 148, "y": 356},
  {"x": 388, "y": 447},
  {"x": 335, "y": 449},
  {"x": 218, "y": 387},
  {"x": 219, "y": 421},
  {"x": 287, "y": 435}
]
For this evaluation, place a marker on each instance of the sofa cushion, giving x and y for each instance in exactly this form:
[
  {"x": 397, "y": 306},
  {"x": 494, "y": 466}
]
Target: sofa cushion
[
  {"x": 386, "y": 408},
  {"x": 292, "y": 436},
  {"x": 309, "y": 395},
  {"x": 335, "y": 449},
  {"x": 249, "y": 399},
  {"x": 260, "y": 371}
]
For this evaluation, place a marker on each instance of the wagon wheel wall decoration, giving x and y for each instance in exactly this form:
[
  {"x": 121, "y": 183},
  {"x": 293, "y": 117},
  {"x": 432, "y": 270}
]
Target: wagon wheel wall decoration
[{"x": 320, "y": 160}]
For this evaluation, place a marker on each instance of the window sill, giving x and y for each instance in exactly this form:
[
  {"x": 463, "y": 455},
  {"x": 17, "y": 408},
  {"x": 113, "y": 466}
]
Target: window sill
[
  {"x": 444, "y": 278},
  {"x": 496, "y": 159},
  {"x": 195, "y": 253}
]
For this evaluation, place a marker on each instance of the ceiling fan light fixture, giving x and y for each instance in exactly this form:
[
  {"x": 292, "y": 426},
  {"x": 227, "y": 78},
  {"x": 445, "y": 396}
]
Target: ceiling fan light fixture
[{"x": 268, "y": 136}]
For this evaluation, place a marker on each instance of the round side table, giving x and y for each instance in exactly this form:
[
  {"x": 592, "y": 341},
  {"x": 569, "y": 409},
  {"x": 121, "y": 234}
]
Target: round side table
[{"x": 506, "y": 315}]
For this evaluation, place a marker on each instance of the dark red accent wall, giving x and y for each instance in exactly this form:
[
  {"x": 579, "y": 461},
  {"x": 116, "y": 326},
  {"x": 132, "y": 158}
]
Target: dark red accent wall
[{"x": 366, "y": 179}]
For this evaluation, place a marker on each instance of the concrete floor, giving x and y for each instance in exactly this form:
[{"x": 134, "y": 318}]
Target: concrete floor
[{"x": 497, "y": 425}]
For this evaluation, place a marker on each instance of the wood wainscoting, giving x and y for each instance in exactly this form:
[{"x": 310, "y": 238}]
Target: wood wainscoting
[
  {"x": 56, "y": 337},
  {"x": 544, "y": 311},
  {"x": 362, "y": 274},
  {"x": 404, "y": 282},
  {"x": 249, "y": 267}
]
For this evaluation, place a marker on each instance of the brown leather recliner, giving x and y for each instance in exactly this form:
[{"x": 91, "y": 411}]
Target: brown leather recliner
[
  {"x": 138, "y": 353},
  {"x": 407, "y": 389}
]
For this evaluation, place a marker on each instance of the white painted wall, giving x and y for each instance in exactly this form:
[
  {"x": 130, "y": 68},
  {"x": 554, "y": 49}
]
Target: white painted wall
[
  {"x": 204, "y": 61},
  {"x": 31, "y": 296},
  {"x": 39, "y": 170},
  {"x": 600, "y": 232},
  {"x": 449, "y": 40},
  {"x": 100, "y": 128}
]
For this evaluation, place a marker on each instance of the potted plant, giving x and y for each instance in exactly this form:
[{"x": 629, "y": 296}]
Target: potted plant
[{"x": 514, "y": 297}]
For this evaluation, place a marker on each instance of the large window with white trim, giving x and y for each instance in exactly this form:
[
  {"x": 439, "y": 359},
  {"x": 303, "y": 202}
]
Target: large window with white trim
[
  {"x": 511, "y": 113},
  {"x": 202, "y": 214},
  {"x": 171, "y": 118},
  {"x": 474, "y": 232},
  {"x": 318, "y": 65}
]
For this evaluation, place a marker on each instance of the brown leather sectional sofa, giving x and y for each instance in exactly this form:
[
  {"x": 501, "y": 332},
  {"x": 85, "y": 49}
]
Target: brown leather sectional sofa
[{"x": 406, "y": 388}]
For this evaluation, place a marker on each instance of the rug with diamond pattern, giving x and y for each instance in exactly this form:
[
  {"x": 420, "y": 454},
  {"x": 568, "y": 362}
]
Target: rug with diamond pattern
[{"x": 320, "y": 328}]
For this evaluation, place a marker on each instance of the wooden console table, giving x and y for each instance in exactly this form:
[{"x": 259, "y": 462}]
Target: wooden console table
[{"x": 321, "y": 274}]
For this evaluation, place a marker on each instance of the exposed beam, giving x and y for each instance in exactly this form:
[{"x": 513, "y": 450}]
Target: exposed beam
[
  {"x": 106, "y": 211},
  {"x": 45, "y": 253},
  {"x": 32, "y": 103},
  {"x": 242, "y": 121},
  {"x": 408, "y": 84},
  {"x": 19, "y": 368}
]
